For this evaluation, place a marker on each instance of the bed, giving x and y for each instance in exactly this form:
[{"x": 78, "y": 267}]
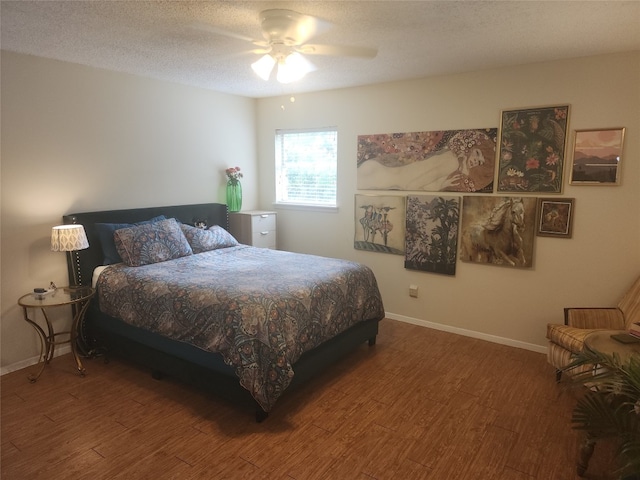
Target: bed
[{"x": 179, "y": 295}]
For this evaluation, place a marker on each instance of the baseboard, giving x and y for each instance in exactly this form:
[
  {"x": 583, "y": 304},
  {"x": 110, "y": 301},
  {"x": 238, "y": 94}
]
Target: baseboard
[
  {"x": 401, "y": 318},
  {"x": 32, "y": 361},
  {"x": 468, "y": 333}
]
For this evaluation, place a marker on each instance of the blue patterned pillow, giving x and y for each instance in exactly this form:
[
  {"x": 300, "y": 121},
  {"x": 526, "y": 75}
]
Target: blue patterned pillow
[
  {"x": 151, "y": 243},
  {"x": 105, "y": 233},
  {"x": 205, "y": 240}
]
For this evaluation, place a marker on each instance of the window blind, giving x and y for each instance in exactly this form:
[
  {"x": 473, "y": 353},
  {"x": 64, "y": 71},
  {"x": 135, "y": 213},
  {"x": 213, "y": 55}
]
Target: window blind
[{"x": 306, "y": 166}]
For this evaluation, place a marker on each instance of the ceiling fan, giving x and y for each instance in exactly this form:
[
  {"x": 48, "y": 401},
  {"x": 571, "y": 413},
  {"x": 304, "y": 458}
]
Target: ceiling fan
[{"x": 285, "y": 46}]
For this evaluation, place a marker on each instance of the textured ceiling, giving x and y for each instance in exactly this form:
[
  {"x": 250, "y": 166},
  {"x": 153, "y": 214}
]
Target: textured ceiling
[{"x": 166, "y": 40}]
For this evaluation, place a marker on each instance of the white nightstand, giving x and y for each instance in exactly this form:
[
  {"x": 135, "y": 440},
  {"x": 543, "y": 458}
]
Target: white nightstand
[{"x": 254, "y": 227}]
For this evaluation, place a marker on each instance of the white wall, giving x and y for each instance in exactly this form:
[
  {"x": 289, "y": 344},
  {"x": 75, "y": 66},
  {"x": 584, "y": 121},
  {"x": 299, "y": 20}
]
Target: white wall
[
  {"x": 80, "y": 139},
  {"x": 507, "y": 305}
]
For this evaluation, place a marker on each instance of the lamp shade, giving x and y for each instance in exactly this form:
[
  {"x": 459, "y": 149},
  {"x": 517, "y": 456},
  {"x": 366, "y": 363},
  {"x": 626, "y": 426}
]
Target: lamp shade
[
  {"x": 264, "y": 66},
  {"x": 68, "y": 238},
  {"x": 293, "y": 67}
]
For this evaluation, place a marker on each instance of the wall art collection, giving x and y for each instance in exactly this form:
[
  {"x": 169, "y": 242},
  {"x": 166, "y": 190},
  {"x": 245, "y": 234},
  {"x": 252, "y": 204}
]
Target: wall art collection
[{"x": 528, "y": 156}]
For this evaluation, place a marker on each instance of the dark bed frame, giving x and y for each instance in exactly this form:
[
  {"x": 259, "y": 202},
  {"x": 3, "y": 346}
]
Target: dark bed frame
[{"x": 102, "y": 334}]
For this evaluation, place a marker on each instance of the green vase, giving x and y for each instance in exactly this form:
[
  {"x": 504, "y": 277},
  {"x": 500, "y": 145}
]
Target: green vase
[{"x": 234, "y": 195}]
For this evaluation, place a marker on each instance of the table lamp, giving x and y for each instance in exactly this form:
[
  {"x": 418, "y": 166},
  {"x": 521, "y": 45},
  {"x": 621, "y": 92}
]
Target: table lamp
[{"x": 70, "y": 238}]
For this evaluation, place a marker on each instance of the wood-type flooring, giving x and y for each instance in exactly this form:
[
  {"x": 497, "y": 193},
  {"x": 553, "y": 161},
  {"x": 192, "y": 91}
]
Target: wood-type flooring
[{"x": 420, "y": 404}]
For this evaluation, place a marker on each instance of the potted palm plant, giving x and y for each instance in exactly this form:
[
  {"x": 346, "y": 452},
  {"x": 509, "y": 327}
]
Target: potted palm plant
[{"x": 610, "y": 406}]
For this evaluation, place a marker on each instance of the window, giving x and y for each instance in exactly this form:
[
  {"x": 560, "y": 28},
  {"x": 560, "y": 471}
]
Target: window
[{"x": 306, "y": 167}]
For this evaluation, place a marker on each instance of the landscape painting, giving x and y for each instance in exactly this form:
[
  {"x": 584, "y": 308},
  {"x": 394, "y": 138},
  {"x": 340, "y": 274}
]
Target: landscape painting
[
  {"x": 431, "y": 238},
  {"x": 498, "y": 230},
  {"x": 379, "y": 223},
  {"x": 597, "y": 155},
  {"x": 435, "y": 161}
]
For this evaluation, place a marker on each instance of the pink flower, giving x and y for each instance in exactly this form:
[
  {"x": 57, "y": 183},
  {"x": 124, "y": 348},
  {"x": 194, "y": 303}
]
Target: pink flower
[
  {"x": 532, "y": 163},
  {"x": 233, "y": 173},
  {"x": 560, "y": 113}
]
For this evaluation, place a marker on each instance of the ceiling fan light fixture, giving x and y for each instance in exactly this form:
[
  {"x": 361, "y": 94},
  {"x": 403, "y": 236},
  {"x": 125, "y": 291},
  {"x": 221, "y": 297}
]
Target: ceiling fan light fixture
[
  {"x": 264, "y": 66},
  {"x": 293, "y": 67}
]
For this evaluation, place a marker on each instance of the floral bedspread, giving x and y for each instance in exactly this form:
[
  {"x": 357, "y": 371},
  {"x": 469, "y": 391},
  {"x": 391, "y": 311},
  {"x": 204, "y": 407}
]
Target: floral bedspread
[{"x": 259, "y": 308}]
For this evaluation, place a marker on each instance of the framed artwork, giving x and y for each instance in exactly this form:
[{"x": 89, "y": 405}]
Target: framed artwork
[
  {"x": 379, "y": 223},
  {"x": 437, "y": 161},
  {"x": 498, "y": 230},
  {"x": 431, "y": 238},
  {"x": 596, "y": 157},
  {"x": 555, "y": 217},
  {"x": 532, "y": 149}
]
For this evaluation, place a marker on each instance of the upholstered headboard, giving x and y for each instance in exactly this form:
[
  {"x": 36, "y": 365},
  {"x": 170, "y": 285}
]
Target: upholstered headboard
[{"x": 82, "y": 263}]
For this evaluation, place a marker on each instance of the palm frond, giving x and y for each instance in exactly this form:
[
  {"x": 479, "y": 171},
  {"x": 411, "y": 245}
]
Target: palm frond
[{"x": 610, "y": 407}]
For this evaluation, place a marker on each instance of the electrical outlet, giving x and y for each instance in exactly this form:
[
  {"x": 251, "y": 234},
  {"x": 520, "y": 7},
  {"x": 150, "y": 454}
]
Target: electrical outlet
[{"x": 413, "y": 291}]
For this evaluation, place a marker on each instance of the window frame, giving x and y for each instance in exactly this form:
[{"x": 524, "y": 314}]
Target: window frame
[{"x": 297, "y": 205}]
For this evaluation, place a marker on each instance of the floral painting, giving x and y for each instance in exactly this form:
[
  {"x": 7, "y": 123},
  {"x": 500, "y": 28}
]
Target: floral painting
[
  {"x": 431, "y": 238},
  {"x": 555, "y": 217},
  {"x": 436, "y": 161},
  {"x": 379, "y": 223},
  {"x": 498, "y": 230},
  {"x": 532, "y": 149}
]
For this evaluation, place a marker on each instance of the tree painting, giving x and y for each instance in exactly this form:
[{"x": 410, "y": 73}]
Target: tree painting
[{"x": 431, "y": 238}]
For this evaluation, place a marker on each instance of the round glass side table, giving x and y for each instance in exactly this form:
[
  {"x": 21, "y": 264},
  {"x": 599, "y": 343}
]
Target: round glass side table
[
  {"x": 602, "y": 342},
  {"x": 78, "y": 298}
]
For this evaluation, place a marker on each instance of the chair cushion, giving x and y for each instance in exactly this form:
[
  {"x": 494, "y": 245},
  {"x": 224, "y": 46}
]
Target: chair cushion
[
  {"x": 569, "y": 338},
  {"x": 630, "y": 304},
  {"x": 560, "y": 358},
  {"x": 595, "y": 318}
]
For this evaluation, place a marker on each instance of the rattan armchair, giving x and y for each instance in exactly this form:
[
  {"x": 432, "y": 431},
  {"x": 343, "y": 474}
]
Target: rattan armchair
[{"x": 568, "y": 339}]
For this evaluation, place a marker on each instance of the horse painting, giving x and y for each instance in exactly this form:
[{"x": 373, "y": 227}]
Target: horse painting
[{"x": 498, "y": 230}]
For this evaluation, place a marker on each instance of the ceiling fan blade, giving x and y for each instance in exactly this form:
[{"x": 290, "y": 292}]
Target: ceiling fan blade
[
  {"x": 338, "y": 50},
  {"x": 261, "y": 50},
  {"x": 226, "y": 33},
  {"x": 289, "y": 27},
  {"x": 309, "y": 27}
]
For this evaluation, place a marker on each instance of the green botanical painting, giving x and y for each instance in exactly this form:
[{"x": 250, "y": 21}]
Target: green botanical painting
[{"x": 533, "y": 149}]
